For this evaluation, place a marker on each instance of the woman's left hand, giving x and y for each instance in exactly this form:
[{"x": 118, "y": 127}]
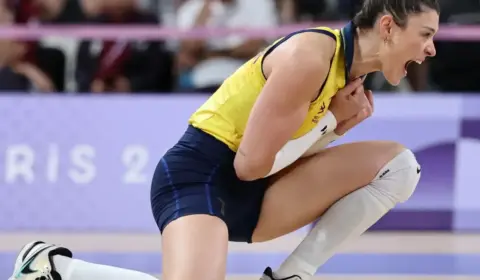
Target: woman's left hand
[{"x": 345, "y": 126}]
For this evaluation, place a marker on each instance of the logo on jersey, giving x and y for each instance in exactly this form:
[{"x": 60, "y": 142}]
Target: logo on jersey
[
  {"x": 319, "y": 114},
  {"x": 322, "y": 108}
]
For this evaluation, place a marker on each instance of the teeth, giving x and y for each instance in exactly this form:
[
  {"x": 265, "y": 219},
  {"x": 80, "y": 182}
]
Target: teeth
[{"x": 418, "y": 61}]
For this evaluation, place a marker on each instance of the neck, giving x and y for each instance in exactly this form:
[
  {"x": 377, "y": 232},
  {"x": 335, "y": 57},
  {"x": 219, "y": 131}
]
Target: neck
[{"x": 365, "y": 55}]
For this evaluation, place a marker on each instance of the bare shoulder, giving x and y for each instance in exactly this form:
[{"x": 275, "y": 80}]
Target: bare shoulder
[
  {"x": 298, "y": 67},
  {"x": 310, "y": 51}
]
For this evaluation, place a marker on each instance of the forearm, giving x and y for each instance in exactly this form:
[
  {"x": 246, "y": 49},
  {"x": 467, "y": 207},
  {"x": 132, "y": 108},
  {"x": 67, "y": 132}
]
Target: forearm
[
  {"x": 321, "y": 144},
  {"x": 309, "y": 143},
  {"x": 193, "y": 45}
]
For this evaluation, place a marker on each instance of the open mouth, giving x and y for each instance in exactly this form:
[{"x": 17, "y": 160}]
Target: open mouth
[{"x": 412, "y": 61}]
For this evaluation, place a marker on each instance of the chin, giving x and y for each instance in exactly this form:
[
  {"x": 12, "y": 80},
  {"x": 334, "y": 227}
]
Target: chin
[{"x": 393, "y": 80}]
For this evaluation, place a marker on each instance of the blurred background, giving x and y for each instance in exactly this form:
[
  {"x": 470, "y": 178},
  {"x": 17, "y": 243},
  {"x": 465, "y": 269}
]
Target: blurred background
[{"x": 93, "y": 92}]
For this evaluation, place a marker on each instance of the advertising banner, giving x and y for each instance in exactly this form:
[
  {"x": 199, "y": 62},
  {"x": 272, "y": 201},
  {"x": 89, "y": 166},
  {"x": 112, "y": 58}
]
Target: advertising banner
[{"x": 84, "y": 163}]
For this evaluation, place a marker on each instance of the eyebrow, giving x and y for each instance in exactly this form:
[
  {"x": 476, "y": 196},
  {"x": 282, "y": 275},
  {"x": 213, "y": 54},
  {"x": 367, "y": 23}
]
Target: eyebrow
[{"x": 430, "y": 29}]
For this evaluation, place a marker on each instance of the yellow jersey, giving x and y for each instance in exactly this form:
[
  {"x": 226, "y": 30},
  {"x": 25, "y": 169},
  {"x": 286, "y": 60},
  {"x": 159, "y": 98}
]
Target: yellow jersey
[{"x": 225, "y": 114}]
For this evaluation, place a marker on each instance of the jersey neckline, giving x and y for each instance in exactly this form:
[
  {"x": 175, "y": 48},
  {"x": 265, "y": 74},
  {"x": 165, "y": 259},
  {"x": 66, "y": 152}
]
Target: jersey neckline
[{"x": 348, "y": 33}]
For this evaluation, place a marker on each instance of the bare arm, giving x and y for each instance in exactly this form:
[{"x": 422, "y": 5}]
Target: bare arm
[
  {"x": 298, "y": 68},
  {"x": 261, "y": 15},
  {"x": 287, "y": 11},
  {"x": 193, "y": 46}
]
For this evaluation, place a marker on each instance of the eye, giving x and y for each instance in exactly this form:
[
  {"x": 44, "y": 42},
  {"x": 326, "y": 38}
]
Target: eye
[{"x": 427, "y": 35}]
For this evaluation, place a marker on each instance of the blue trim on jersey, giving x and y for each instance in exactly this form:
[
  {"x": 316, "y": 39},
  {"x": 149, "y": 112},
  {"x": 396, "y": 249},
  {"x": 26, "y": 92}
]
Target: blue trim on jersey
[
  {"x": 175, "y": 191},
  {"x": 274, "y": 46},
  {"x": 320, "y": 31},
  {"x": 208, "y": 192},
  {"x": 348, "y": 42}
]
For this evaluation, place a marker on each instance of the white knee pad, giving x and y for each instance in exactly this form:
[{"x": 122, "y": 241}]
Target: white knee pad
[{"x": 399, "y": 177}]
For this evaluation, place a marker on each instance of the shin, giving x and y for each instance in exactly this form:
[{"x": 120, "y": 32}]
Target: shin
[{"x": 354, "y": 214}]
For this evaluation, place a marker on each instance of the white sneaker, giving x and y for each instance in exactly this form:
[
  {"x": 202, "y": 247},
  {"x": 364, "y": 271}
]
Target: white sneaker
[
  {"x": 35, "y": 262},
  {"x": 268, "y": 275}
]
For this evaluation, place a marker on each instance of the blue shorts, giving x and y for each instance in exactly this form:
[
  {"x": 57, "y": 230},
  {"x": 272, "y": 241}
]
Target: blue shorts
[{"x": 197, "y": 176}]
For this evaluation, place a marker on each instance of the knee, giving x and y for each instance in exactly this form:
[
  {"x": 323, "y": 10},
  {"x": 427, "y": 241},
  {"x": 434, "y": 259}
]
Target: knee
[{"x": 400, "y": 176}]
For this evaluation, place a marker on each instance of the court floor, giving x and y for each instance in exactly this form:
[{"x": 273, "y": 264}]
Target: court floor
[
  {"x": 370, "y": 277},
  {"x": 375, "y": 256}
]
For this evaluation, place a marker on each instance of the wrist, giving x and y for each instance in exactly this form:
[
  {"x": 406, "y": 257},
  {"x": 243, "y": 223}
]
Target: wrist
[
  {"x": 336, "y": 135},
  {"x": 338, "y": 117},
  {"x": 340, "y": 130},
  {"x": 331, "y": 118}
]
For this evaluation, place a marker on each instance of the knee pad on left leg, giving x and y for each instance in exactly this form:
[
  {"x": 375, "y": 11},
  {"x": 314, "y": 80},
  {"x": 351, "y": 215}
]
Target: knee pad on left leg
[{"x": 399, "y": 177}]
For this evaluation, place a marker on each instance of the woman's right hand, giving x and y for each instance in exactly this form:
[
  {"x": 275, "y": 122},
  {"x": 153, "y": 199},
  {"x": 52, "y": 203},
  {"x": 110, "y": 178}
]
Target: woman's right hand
[{"x": 349, "y": 101}]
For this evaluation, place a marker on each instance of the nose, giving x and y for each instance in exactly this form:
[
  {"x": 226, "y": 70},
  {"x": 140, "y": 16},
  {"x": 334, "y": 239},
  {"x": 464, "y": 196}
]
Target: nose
[{"x": 430, "y": 49}]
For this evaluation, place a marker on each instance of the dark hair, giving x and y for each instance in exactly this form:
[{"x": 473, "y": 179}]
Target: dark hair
[{"x": 399, "y": 9}]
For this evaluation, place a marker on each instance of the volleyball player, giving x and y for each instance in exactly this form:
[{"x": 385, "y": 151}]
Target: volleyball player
[{"x": 252, "y": 165}]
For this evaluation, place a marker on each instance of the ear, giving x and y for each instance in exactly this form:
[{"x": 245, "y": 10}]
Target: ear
[{"x": 386, "y": 23}]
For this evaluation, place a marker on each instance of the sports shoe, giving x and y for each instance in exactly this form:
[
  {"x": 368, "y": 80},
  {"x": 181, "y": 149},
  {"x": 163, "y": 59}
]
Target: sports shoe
[
  {"x": 35, "y": 262},
  {"x": 268, "y": 275}
]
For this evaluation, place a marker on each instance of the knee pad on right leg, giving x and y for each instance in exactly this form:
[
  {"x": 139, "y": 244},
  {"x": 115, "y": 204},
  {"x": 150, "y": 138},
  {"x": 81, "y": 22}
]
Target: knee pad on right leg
[{"x": 399, "y": 178}]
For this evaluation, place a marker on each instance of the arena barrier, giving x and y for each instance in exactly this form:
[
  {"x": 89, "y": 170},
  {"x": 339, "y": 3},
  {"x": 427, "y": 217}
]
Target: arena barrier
[
  {"x": 446, "y": 32},
  {"x": 87, "y": 161}
]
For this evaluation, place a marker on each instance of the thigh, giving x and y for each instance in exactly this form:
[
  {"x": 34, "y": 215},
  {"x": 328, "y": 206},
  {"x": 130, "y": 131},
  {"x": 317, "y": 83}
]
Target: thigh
[
  {"x": 182, "y": 186},
  {"x": 242, "y": 205},
  {"x": 186, "y": 184},
  {"x": 195, "y": 247},
  {"x": 302, "y": 193}
]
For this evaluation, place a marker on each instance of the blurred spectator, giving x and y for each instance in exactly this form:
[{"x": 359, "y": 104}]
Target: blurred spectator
[
  {"x": 25, "y": 14},
  {"x": 57, "y": 56},
  {"x": 455, "y": 68},
  {"x": 17, "y": 72},
  {"x": 120, "y": 66},
  {"x": 46, "y": 58},
  {"x": 10, "y": 80},
  {"x": 24, "y": 10},
  {"x": 292, "y": 11},
  {"x": 287, "y": 11},
  {"x": 213, "y": 60},
  {"x": 68, "y": 11}
]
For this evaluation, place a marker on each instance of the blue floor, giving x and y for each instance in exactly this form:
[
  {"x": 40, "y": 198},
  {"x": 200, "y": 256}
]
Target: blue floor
[{"x": 248, "y": 263}]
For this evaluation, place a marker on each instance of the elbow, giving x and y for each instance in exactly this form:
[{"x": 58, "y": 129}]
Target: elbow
[{"x": 249, "y": 170}]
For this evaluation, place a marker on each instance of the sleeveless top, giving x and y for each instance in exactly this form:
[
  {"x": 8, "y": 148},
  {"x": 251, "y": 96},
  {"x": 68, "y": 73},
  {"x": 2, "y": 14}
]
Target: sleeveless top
[{"x": 224, "y": 115}]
